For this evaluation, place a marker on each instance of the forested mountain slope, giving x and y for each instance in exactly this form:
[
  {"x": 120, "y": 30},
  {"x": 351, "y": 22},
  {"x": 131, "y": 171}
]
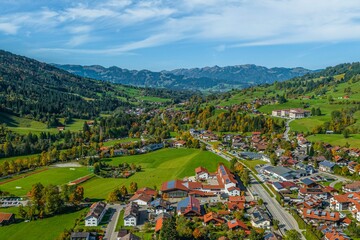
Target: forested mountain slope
[{"x": 38, "y": 90}]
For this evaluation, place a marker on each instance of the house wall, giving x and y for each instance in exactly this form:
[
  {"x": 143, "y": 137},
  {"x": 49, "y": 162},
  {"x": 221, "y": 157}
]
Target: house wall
[{"x": 130, "y": 221}]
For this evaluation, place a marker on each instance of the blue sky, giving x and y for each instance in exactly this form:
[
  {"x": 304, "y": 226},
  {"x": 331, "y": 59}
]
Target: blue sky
[{"x": 169, "y": 34}]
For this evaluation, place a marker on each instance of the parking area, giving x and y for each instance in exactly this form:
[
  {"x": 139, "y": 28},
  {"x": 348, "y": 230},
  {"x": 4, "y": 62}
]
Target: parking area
[{"x": 12, "y": 202}]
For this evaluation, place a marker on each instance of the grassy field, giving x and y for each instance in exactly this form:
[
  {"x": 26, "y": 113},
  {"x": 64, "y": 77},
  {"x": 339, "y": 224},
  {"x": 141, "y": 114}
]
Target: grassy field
[
  {"x": 49, "y": 228},
  {"x": 252, "y": 163},
  {"x": 159, "y": 166},
  {"x": 56, "y": 176},
  {"x": 124, "y": 140},
  {"x": 336, "y": 139},
  {"x": 18, "y": 157},
  {"x": 25, "y": 126}
]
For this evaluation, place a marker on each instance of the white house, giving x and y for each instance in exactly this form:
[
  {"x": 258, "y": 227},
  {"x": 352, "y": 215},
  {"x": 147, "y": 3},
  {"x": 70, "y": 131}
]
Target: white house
[
  {"x": 131, "y": 214},
  {"x": 96, "y": 213},
  {"x": 141, "y": 199},
  {"x": 201, "y": 173}
]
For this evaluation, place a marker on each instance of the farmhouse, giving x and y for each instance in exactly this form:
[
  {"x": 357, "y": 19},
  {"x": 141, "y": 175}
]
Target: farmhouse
[
  {"x": 96, "y": 213},
  {"x": 131, "y": 214},
  {"x": 160, "y": 206},
  {"x": 6, "y": 218}
]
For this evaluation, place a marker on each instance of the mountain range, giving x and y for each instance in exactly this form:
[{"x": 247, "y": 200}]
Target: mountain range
[{"x": 204, "y": 79}]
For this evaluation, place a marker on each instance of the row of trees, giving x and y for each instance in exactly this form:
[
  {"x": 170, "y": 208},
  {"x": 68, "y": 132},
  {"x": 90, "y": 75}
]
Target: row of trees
[{"x": 50, "y": 200}]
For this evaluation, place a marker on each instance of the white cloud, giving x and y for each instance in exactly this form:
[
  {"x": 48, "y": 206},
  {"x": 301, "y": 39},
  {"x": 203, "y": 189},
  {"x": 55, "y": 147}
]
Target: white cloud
[
  {"x": 127, "y": 25},
  {"x": 8, "y": 28}
]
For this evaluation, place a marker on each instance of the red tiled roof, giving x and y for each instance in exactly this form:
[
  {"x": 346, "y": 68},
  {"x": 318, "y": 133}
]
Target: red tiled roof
[
  {"x": 177, "y": 184},
  {"x": 334, "y": 235},
  {"x": 5, "y": 216},
  {"x": 143, "y": 197},
  {"x": 237, "y": 199},
  {"x": 200, "y": 170},
  {"x": 235, "y": 205},
  {"x": 159, "y": 224},
  {"x": 212, "y": 216},
  {"x": 237, "y": 223},
  {"x": 146, "y": 190},
  {"x": 321, "y": 215}
]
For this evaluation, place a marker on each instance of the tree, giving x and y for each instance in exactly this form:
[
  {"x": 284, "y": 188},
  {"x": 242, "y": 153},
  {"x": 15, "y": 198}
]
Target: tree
[
  {"x": 77, "y": 196},
  {"x": 346, "y": 133},
  {"x": 232, "y": 164},
  {"x": 168, "y": 230},
  {"x": 183, "y": 227},
  {"x": 123, "y": 191},
  {"x": 275, "y": 223},
  {"x": 255, "y": 235},
  {"x": 133, "y": 187},
  {"x": 114, "y": 195},
  {"x": 52, "y": 200},
  {"x": 36, "y": 196},
  {"x": 260, "y": 202},
  {"x": 292, "y": 235}
]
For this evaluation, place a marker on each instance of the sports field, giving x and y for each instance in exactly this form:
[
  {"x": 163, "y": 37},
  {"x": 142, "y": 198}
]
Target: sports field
[{"x": 57, "y": 176}]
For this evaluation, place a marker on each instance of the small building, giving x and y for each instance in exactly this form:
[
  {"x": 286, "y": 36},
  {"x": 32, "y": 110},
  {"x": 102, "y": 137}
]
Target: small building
[
  {"x": 352, "y": 187},
  {"x": 260, "y": 219},
  {"x": 127, "y": 236},
  {"x": 201, "y": 173},
  {"x": 237, "y": 224},
  {"x": 6, "y": 218},
  {"x": 95, "y": 215},
  {"x": 213, "y": 218},
  {"x": 131, "y": 214},
  {"x": 141, "y": 199},
  {"x": 326, "y": 166},
  {"x": 160, "y": 205}
]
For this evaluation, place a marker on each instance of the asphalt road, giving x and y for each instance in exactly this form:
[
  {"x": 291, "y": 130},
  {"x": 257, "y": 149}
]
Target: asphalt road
[
  {"x": 276, "y": 210},
  {"x": 286, "y": 220},
  {"x": 110, "y": 230},
  {"x": 286, "y": 133}
]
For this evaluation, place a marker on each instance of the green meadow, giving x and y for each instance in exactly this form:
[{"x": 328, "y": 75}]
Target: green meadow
[{"x": 158, "y": 166}]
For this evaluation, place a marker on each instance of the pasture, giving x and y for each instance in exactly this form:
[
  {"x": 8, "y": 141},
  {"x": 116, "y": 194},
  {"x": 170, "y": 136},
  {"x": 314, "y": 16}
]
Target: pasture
[
  {"x": 158, "y": 166},
  {"x": 336, "y": 139}
]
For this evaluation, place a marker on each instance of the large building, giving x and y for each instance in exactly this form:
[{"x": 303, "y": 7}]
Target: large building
[
  {"x": 291, "y": 113},
  {"x": 96, "y": 213},
  {"x": 283, "y": 173},
  {"x": 222, "y": 181}
]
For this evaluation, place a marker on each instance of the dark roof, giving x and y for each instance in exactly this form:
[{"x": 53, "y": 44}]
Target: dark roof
[
  {"x": 307, "y": 181},
  {"x": 327, "y": 164},
  {"x": 96, "y": 209}
]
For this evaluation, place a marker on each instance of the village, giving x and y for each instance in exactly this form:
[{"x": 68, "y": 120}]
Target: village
[{"x": 306, "y": 184}]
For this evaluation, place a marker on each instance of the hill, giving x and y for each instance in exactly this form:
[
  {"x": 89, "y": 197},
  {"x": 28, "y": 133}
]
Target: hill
[
  {"x": 334, "y": 90},
  {"x": 38, "y": 90},
  {"x": 204, "y": 79}
]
